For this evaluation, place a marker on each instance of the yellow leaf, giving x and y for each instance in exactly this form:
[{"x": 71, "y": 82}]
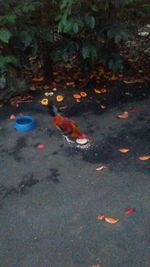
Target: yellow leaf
[
  {"x": 59, "y": 98},
  {"x": 44, "y": 101}
]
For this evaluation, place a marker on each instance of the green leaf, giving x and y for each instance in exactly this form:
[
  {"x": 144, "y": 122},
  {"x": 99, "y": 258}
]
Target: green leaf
[
  {"x": 10, "y": 19},
  {"x": 64, "y": 4},
  {"x": 67, "y": 26},
  {"x": 35, "y": 47},
  {"x": 5, "y": 35},
  {"x": 26, "y": 38},
  {"x": 93, "y": 52},
  {"x": 146, "y": 6},
  {"x": 92, "y": 22},
  {"x": 2, "y": 62},
  {"x": 118, "y": 38},
  {"x": 94, "y": 7},
  {"x": 29, "y": 7},
  {"x": 13, "y": 60},
  {"x": 85, "y": 52},
  {"x": 9, "y": 60},
  {"x": 75, "y": 27},
  {"x": 2, "y": 80}
]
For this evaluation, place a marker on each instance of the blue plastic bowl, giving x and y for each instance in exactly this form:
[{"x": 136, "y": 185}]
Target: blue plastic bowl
[{"x": 24, "y": 124}]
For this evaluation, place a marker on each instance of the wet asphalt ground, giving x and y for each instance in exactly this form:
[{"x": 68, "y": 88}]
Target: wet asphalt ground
[{"x": 50, "y": 198}]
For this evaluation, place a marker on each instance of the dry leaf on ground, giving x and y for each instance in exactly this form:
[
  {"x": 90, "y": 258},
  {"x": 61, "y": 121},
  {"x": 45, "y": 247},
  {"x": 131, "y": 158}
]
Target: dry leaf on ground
[
  {"x": 38, "y": 79},
  {"x": 129, "y": 211},
  {"x": 12, "y": 117},
  {"x": 124, "y": 115},
  {"x": 124, "y": 150},
  {"x": 59, "y": 98},
  {"x": 83, "y": 94},
  {"x": 76, "y": 96},
  {"x": 101, "y": 168},
  {"x": 101, "y": 217},
  {"x": 48, "y": 93},
  {"x": 145, "y": 157},
  {"x": 44, "y": 102},
  {"x": 97, "y": 91},
  {"x": 111, "y": 220}
]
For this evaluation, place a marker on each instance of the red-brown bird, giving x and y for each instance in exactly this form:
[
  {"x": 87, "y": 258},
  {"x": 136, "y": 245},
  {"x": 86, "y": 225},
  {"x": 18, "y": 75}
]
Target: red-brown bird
[{"x": 65, "y": 125}]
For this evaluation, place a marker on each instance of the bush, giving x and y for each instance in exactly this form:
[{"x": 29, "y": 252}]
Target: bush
[
  {"x": 53, "y": 30},
  {"x": 96, "y": 28}
]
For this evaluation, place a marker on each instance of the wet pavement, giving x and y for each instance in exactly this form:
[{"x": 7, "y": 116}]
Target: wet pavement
[{"x": 50, "y": 198}]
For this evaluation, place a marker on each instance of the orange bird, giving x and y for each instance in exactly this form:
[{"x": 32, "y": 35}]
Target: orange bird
[{"x": 64, "y": 124}]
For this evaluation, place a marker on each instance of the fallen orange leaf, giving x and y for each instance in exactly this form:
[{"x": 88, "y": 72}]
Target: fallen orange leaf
[
  {"x": 111, "y": 220},
  {"x": 12, "y": 117},
  {"x": 124, "y": 115},
  {"x": 38, "y": 79},
  {"x": 76, "y": 96},
  {"x": 101, "y": 217},
  {"x": 97, "y": 91},
  {"x": 145, "y": 157},
  {"x": 124, "y": 150},
  {"x": 83, "y": 94}
]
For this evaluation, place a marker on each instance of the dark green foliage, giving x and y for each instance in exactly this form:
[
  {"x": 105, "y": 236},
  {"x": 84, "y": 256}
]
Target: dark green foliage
[{"x": 54, "y": 30}]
